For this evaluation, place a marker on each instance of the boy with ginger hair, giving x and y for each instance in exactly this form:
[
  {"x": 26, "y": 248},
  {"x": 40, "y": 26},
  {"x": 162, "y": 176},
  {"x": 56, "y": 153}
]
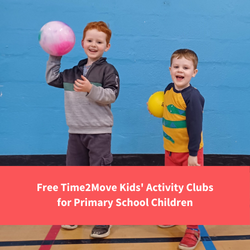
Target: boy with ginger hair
[{"x": 89, "y": 89}]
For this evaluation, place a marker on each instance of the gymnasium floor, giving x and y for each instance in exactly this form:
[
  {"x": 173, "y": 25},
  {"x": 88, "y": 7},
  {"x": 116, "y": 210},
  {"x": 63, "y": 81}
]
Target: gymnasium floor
[{"x": 121, "y": 238}]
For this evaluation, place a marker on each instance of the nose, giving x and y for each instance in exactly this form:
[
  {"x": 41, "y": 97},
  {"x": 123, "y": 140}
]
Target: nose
[{"x": 93, "y": 43}]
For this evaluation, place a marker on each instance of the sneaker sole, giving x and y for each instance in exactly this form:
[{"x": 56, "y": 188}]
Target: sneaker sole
[
  {"x": 69, "y": 227},
  {"x": 97, "y": 236},
  {"x": 165, "y": 226}
]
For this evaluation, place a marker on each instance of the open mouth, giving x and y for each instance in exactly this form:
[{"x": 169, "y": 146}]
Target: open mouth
[{"x": 179, "y": 77}]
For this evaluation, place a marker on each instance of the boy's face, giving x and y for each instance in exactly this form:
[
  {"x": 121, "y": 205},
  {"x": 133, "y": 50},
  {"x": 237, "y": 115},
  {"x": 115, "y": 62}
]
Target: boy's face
[
  {"x": 94, "y": 45},
  {"x": 181, "y": 71}
]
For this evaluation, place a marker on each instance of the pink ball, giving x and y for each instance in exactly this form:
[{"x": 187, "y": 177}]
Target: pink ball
[{"x": 56, "y": 38}]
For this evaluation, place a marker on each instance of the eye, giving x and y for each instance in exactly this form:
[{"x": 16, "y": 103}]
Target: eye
[
  {"x": 99, "y": 42},
  {"x": 89, "y": 41},
  {"x": 176, "y": 67},
  {"x": 185, "y": 67}
]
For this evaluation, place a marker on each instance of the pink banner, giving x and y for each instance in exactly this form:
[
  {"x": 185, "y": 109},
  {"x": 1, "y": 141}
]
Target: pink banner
[{"x": 120, "y": 195}]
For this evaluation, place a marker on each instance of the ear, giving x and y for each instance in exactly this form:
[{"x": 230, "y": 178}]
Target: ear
[
  {"x": 195, "y": 72},
  {"x": 108, "y": 47},
  {"x": 82, "y": 43}
]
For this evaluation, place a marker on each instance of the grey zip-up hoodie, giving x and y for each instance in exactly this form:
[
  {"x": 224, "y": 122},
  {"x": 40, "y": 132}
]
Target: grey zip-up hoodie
[{"x": 86, "y": 113}]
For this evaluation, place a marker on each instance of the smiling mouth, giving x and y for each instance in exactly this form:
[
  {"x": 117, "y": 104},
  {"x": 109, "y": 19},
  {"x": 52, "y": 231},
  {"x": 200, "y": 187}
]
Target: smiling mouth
[{"x": 179, "y": 77}]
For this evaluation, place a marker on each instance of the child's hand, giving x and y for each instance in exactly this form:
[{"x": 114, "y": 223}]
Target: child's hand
[
  {"x": 82, "y": 85},
  {"x": 193, "y": 161},
  {"x": 149, "y": 110}
]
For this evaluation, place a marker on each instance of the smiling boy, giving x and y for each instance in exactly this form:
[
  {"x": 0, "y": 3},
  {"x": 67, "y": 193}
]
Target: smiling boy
[
  {"x": 183, "y": 113},
  {"x": 182, "y": 125},
  {"x": 89, "y": 89}
]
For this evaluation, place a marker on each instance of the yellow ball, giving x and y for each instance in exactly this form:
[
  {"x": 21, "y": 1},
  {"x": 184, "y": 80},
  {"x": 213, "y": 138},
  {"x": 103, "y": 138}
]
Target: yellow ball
[{"x": 155, "y": 104}]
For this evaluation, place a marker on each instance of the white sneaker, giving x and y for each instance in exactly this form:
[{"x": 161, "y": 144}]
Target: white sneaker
[{"x": 70, "y": 227}]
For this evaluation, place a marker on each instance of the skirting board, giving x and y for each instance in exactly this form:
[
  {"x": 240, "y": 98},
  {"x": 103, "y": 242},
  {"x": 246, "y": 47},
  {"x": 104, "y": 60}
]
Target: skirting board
[{"x": 121, "y": 160}]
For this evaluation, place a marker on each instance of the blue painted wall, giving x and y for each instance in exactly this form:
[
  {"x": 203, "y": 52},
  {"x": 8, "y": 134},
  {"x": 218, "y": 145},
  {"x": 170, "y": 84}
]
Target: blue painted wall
[{"x": 145, "y": 33}]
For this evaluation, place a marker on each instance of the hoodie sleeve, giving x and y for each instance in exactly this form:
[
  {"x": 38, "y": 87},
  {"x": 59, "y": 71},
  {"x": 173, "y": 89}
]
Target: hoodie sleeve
[
  {"x": 110, "y": 90},
  {"x": 53, "y": 75}
]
